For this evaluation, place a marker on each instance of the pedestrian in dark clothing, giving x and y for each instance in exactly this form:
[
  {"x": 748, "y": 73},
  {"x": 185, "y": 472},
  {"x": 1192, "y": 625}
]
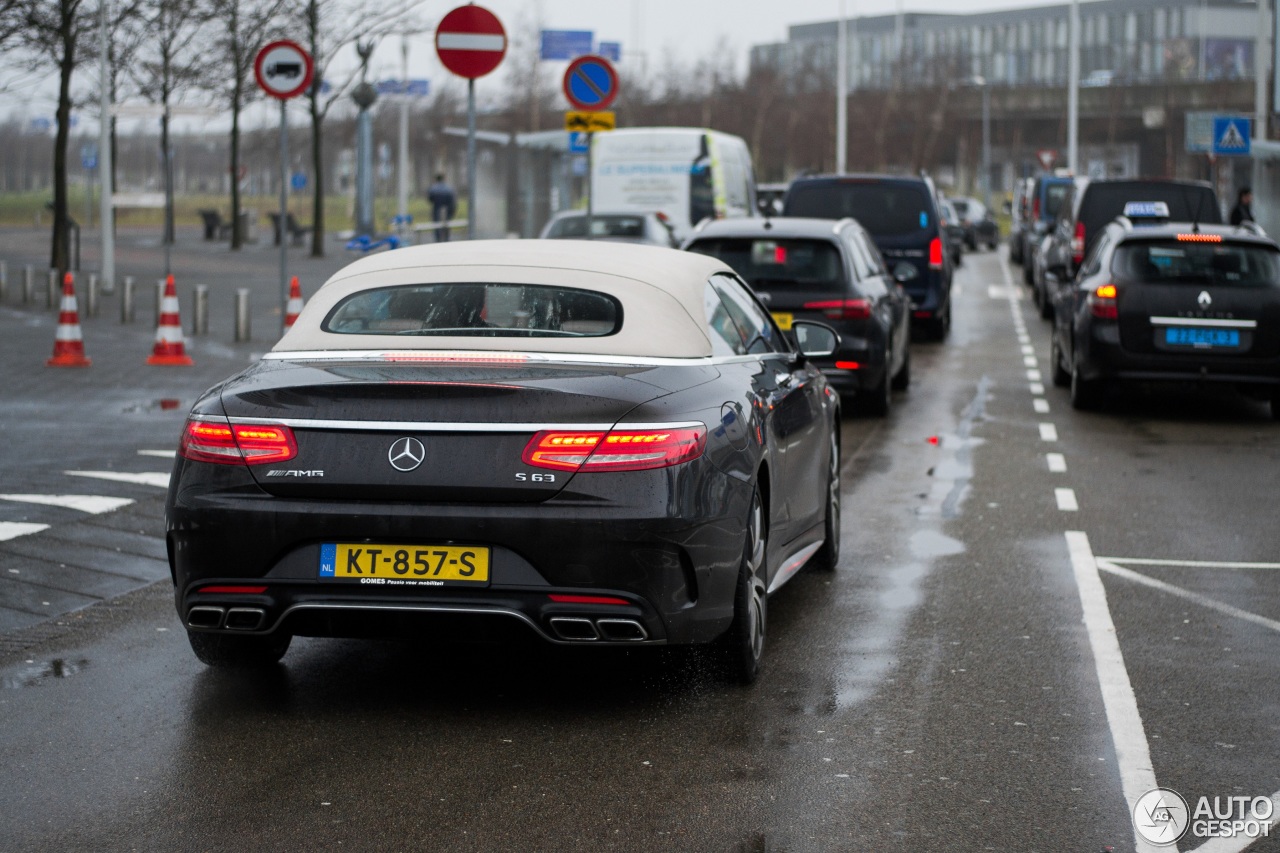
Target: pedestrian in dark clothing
[
  {"x": 444, "y": 203},
  {"x": 1243, "y": 211}
]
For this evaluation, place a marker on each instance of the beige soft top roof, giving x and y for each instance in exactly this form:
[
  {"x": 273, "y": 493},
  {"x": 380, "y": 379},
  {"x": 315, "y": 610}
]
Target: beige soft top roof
[{"x": 661, "y": 291}]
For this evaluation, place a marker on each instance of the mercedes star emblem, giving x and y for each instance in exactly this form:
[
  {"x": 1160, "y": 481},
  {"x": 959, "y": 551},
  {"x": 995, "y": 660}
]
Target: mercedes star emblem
[
  {"x": 406, "y": 453},
  {"x": 1204, "y": 300}
]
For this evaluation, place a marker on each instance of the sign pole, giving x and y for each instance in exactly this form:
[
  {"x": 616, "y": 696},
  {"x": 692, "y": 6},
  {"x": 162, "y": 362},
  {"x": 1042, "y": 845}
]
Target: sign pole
[
  {"x": 590, "y": 137},
  {"x": 104, "y": 159},
  {"x": 284, "y": 215},
  {"x": 471, "y": 158}
]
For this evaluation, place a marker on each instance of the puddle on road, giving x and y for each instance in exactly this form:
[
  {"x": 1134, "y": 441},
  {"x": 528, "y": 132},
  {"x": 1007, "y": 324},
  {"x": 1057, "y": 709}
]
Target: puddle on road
[
  {"x": 36, "y": 673},
  {"x": 870, "y": 652}
]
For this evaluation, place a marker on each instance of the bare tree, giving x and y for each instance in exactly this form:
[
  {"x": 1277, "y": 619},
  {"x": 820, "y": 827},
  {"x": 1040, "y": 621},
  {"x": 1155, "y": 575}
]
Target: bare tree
[
  {"x": 248, "y": 25},
  {"x": 330, "y": 26}
]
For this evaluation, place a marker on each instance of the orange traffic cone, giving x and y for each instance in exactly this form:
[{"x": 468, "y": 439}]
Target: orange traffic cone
[
  {"x": 169, "y": 348},
  {"x": 294, "y": 306},
  {"x": 68, "y": 345}
]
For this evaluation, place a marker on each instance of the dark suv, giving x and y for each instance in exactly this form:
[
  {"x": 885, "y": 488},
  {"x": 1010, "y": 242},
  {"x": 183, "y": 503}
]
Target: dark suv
[
  {"x": 1093, "y": 204},
  {"x": 901, "y": 214},
  {"x": 816, "y": 269},
  {"x": 1173, "y": 301}
]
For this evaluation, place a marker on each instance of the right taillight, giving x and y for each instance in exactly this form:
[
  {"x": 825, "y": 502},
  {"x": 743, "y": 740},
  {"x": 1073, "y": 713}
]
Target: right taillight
[
  {"x": 1077, "y": 244},
  {"x": 935, "y": 253},
  {"x": 1102, "y": 302},
  {"x": 224, "y": 443},
  {"x": 615, "y": 450},
  {"x": 1035, "y": 209}
]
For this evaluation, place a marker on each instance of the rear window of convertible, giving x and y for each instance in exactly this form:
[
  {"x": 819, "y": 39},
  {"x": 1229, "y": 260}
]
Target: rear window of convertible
[{"x": 477, "y": 309}]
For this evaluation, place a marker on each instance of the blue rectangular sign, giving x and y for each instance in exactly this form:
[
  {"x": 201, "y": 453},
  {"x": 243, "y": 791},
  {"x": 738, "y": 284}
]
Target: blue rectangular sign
[
  {"x": 579, "y": 142},
  {"x": 418, "y": 87},
  {"x": 566, "y": 44},
  {"x": 1231, "y": 135},
  {"x": 610, "y": 50}
]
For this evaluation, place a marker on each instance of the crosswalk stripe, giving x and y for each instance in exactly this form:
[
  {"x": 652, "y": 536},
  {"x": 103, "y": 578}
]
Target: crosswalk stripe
[
  {"x": 92, "y": 504},
  {"x": 145, "y": 479}
]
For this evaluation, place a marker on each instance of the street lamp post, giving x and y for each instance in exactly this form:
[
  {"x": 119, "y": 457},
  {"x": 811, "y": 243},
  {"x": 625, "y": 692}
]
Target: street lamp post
[{"x": 986, "y": 144}]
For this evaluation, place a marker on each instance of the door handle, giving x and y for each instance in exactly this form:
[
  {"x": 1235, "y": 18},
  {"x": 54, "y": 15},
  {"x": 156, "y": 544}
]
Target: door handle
[{"x": 783, "y": 379}]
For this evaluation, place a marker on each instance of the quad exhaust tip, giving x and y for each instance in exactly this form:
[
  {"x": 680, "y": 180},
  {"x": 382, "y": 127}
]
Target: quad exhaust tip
[
  {"x": 576, "y": 629},
  {"x": 206, "y": 617},
  {"x": 233, "y": 619}
]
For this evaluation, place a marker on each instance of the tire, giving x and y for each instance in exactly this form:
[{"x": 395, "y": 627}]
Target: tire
[
  {"x": 902, "y": 379},
  {"x": 829, "y": 555},
  {"x": 1028, "y": 272},
  {"x": 1061, "y": 376},
  {"x": 937, "y": 327},
  {"x": 742, "y": 646},
  {"x": 1044, "y": 303},
  {"x": 235, "y": 652},
  {"x": 875, "y": 401},
  {"x": 1275, "y": 405},
  {"x": 1085, "y": 393}
]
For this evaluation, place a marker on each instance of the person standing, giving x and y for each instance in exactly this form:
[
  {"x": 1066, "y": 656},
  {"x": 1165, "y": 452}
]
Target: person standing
[
  {"x": 1243, "y": 211},
  {"x": 444, "y": 203}
]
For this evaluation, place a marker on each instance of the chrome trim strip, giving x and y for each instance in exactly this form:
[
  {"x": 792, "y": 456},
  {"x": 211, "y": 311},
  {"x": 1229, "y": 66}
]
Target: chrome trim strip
[
  {"x": 793, "y": 565},
  {"x": 493, "y": 357},
  {"x": 1204, "y": 323},
  {"x": 429, "y": 426}
]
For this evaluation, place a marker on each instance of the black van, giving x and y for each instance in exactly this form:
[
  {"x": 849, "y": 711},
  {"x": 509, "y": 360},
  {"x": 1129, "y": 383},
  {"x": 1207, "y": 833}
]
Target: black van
[
  {"x": 1093, "y": 204},
  {"x": 901, "y": 214}
]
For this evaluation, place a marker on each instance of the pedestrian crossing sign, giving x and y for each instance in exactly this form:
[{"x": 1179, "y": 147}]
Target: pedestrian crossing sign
[{"x": 1231, "y": 135}]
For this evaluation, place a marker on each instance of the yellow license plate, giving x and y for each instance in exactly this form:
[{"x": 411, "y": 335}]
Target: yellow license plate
[
  {"x": 783, "y": 320},
  {"x": 404, "y": 565}
]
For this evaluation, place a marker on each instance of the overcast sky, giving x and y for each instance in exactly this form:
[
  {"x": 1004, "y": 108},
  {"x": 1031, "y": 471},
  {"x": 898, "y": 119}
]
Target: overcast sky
[{"x": 656, "y": 29}]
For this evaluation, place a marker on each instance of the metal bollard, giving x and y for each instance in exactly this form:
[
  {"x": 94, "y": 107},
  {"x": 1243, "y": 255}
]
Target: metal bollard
[
  {"x": 242, "y": 314},
  {"x": 91, "y": 297},
  {"x": 52, "y": 293},
  {"x": 28, "y": 284},
  {"x": 4, "y": 278},
  {"x": 159, "y": 300},
  {"x": 126, "y": 300},
  {"x": 200, "y": 326}
]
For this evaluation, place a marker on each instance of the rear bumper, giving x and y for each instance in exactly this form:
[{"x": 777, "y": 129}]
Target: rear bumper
[
  {"x": 671, "y": 558},
  {"x": 1101, "y": 356}
]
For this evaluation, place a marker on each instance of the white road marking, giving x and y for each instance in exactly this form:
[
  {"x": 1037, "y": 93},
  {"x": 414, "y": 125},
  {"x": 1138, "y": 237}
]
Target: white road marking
[
  {"x": 1235, "y": 845},
  {"x": 1133, "y": 755},
  {"x": 1037, "y": 388},
  {"x": 14, "y": 529},
  {"x": 1191, "y": 564},
  {"x": 1048, "y": 432},
  {"x": 163, "y": 454},
  {"x": 1188, "y": 595},
  {"x": 1028, "y": 350},
  {"x": 1029, "y": 361},
  {"x": 1057, "y": 463},
  {"x": 1041, "y": 405},
  {"x": 146, "y": 479},
  {"x": 1034, "y": 376},
  {"x": 93, "y": 504},
  {"x": 996, "y": 292},
  {"x": 1066, "y": 499}
]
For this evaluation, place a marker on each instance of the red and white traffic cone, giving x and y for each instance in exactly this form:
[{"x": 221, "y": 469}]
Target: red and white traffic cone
[
  {"x": 169, "y": 348},
  {"x": 68, "y": 345},
  {"x": 294, "y": 306}
]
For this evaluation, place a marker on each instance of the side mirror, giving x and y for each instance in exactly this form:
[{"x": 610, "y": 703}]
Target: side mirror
[
  {"x": 815, "y": 340},
  {"x": 905, "y": 272}
]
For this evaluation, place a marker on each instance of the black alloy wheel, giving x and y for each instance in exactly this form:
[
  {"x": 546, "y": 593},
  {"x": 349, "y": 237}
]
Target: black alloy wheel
[
  {"x": 236, "y": 652},
  {"x": 829, "y": 554},
  {"x": 1061, "y": 376},
  {"x": 742, "y": 646}
]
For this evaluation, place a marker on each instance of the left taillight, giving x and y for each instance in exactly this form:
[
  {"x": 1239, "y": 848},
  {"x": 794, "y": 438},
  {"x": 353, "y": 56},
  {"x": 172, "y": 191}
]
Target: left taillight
[
  {"x": 935, "y": 253},
  {"x": 224, "y": 443},
  {"x": 614, "y": 450},
  {"x": 1102, "y": 302}
]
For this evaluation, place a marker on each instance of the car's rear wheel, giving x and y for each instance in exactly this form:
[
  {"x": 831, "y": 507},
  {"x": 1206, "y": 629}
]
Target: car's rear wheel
[
  {"x": 1043, "y": 302},
  {"x": 875, "y": 401},
  {"x": 827, "y": 557},
  {"x": 1085, "y": 393},
  {"x": 1275, "y": 405},
  {"x": 1061, "y": 376},
  {"x": 902, "y": 379},
  {"x": 235, "y": 652},
  {"x": 742, "y": 646}
]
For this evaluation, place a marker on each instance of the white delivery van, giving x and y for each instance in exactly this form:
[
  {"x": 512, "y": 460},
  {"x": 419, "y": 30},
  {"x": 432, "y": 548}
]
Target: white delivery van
[{"x": 685, "y": 173}]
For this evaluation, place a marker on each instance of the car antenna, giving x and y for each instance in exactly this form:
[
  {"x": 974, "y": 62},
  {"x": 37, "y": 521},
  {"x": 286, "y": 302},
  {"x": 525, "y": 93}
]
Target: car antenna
[{"x": 1195, "y": 217}]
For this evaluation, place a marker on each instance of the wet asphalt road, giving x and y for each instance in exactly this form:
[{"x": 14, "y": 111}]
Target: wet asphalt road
[{"x": 939, "y": 692}]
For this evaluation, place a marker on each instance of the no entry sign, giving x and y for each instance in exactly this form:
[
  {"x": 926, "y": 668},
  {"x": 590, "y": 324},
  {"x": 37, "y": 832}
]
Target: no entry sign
[
  {"x": 470, "y": 41},
  {"x": 283, "y": 69}
]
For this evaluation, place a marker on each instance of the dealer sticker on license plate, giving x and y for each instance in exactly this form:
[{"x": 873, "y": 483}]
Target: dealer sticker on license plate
[
  {"x": 404, "y": 565},
  {"x": 783, "y": 320},
  {"x": 1184, "y": 337}
]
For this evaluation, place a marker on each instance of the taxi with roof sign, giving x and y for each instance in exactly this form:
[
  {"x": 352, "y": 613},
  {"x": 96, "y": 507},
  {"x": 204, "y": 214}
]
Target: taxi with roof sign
[
  {"x": 1170, "y": 301},
  {"x": 588, "y": 443}
]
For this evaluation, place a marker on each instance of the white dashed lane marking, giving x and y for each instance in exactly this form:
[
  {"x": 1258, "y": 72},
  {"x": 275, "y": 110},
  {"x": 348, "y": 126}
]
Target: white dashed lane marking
[
  {"x": 162, "y": 454},
  {"x": 1041, "y": 406},
  {"x": 145, "y": 479},
  {"x": 1057, "y": 463},
  {"x": 1037, "y": 388},
  {"x": 14, "y": 529},
  {"x": 92, "y": 504},
  {"x": 1066, "y": 499},
  {"x": 1048, "y": 432},
  {"x": 1034, "y": 376}
]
